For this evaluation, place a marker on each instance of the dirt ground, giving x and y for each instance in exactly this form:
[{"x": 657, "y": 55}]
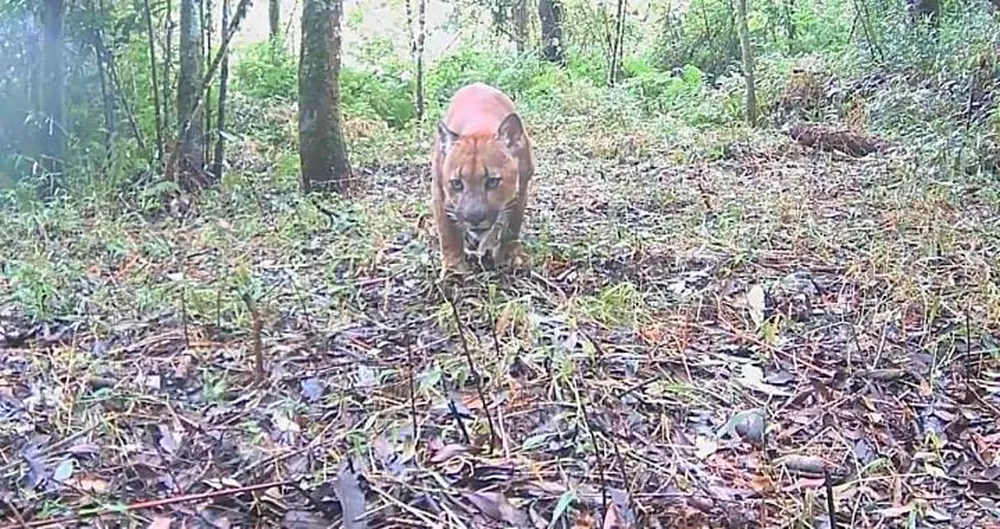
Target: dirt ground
[{"x": 700, "y": 342}]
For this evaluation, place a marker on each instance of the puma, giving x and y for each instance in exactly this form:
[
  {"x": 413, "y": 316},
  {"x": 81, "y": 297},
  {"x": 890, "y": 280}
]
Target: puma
[{"x": 481, "y": 165}]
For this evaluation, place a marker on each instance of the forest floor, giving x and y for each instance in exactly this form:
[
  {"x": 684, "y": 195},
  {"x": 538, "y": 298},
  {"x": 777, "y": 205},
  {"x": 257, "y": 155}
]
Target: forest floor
[{"x": 700, "y": 342}]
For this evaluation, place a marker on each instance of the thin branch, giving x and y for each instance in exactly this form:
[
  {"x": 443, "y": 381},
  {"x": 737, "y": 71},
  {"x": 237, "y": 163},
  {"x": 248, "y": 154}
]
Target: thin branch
[
  {"x": 412, "y": 384},
  {"x": 597, "y": 451},
  {"x": 472, "y": 369}
]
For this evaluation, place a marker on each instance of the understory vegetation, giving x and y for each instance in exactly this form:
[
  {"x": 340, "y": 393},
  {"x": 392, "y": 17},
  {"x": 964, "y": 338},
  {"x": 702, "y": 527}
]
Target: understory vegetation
[{"x": 721, "y": 326}]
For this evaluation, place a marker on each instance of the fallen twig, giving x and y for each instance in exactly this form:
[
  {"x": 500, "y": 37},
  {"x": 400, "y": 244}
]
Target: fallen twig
[{"x": 97, "y": 512}]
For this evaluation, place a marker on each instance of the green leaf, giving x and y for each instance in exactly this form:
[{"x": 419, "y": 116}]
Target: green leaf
[
  {"x": 565, "y": 501},
  {"x": 534, "y": 441},
  {"x": 63, "y": 471}
]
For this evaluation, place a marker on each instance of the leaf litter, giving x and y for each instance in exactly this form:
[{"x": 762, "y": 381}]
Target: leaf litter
[{"x": 757, "y": 333}]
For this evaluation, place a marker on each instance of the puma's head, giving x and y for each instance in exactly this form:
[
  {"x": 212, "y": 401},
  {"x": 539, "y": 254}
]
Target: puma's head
[{"x": 480, "y": 175}]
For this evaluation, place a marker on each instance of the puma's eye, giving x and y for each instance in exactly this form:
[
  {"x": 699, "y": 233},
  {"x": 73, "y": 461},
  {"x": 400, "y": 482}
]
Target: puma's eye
[
  {"x": 456, "y": 185},
  {"x": 492, "y": 182}
]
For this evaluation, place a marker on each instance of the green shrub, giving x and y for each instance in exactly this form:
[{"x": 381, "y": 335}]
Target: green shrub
[
  {"x": 523, "y": 77},
  {"x": 266, "y": 72},
  {"x": 387, "y": 96}
]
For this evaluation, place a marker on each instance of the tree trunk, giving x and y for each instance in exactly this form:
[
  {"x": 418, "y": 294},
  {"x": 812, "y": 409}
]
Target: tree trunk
[
  {"x": 921, "y": 10},
  {"x": 107, "y": 104},
  {"x": 733, "y": 32},
  {"x": 408, "y": 5},
  {"x": 274, "y": 18},
  {"x": 193, "y": 179},
  {"x": 206, "y": 39},
  {"x": 550, "y": 14},
  {"x": 52, "y": 135},
  {"x": 617, "y": 44},
  {"x": 748, "y": 72},
  {"x": 188, "y": 92},
  {"x": 322, "y": 148},
  {"x": 220, "y": 142},
  {"x": 789, "y": 6},
  {"x": 156, "y": 85},
  {"x": 521, "y": 24},
  {"x": 421, "y": 31},
  {"x": 168, "y": 59}
]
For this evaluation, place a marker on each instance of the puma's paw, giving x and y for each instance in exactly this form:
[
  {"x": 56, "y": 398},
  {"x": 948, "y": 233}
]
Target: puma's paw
[
  {"x": 515, "y": 257},
  {"x": 450, "y": 268}
]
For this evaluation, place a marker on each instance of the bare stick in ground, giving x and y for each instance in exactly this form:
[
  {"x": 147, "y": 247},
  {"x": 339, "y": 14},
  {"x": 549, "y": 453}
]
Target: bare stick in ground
[
  {"x": 597, "y": 451},
  {"x": 184, "y": 318},
  {"x": 472, "y": 368},
  {"x": 413, "y": 392},
  {"x": 621, "y": 469},
  {"x": 257, "y": 325},
  {"x": 830, "y": 508},
  {"x": 453, "y": 409}
]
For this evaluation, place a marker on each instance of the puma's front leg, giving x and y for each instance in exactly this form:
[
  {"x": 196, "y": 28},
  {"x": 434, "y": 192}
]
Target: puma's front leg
[
  {"x": 511, "y": 252},
  {"x": 450, "y": 239}
]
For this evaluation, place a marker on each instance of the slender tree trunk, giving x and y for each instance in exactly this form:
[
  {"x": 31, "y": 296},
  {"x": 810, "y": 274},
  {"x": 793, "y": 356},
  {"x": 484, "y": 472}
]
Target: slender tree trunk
[
  {"x": 421, "y": 31},
  {"x": 920, "y": 10},
  {"x": 322, "y": 148},
  {"x": 198, "y": 180},
  {"x": 733, "y": 32},
  {"x": 223, "y": 92},
  {"x": 408, "y": 5},
  {"x": 106, "y": 102},
  {"x": 614, "y": 71},
  {"x": 188, "y": 90},
  {"x": 621, "y": 36},
  {"x": 789, "y": 6},
  {"x": 52, "y": 136},
  {"x": 156, "y": 85},
  {"x": 748, "y": 71},
  {"x": 206, "y": 31},
  {"x": 274, "y": 18},
  {"x": 35, "y": 76},
  {"x": 119, "y": 89},
  {"x": 168, "y": 60},
  {"x": 107, "y": 99},
  {"x": 521, "y": 25},
  {"x": 550, "y": 14}
]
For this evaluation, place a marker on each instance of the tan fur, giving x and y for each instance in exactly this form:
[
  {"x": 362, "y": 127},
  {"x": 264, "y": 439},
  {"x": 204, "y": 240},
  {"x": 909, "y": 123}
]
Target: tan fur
[{"x": 480, "y": 137}]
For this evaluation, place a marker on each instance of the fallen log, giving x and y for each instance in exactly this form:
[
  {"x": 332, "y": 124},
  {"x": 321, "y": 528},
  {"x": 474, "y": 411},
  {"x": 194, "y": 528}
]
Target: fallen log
[{"x": 850, "y": 142}]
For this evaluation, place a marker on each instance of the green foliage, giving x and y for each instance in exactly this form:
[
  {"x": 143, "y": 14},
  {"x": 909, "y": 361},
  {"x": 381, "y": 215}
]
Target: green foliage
[
  {"x": 266, "y": 72},
  {"x": 381, "y": 87},
  {"x": 524, "y": 77},
  {"x": 661, "y": 91}
]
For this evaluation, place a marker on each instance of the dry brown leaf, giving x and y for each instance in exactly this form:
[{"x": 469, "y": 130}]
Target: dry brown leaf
[
  {"x": 89, "y": 483},
  {"x": 159, "y": 522}
]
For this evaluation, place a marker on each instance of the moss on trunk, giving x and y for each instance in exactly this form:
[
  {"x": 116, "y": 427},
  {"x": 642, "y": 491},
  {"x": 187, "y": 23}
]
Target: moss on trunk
[
  {"x": 188, "y": 90},
  {"x": 322, "y": 148}
]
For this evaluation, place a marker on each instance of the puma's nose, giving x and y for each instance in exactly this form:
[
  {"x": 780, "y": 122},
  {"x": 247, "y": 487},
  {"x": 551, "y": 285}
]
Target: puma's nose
[{"x": 475, "y": 217}]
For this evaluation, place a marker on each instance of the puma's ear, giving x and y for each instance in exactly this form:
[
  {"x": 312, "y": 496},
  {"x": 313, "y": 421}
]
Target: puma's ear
[
  {"x": 511, "y": 131},
  {"x": 446, "y": 137}
]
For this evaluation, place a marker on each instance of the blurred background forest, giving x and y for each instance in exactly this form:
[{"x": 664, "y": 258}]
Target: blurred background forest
[{"x": 921, "y": 72}]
